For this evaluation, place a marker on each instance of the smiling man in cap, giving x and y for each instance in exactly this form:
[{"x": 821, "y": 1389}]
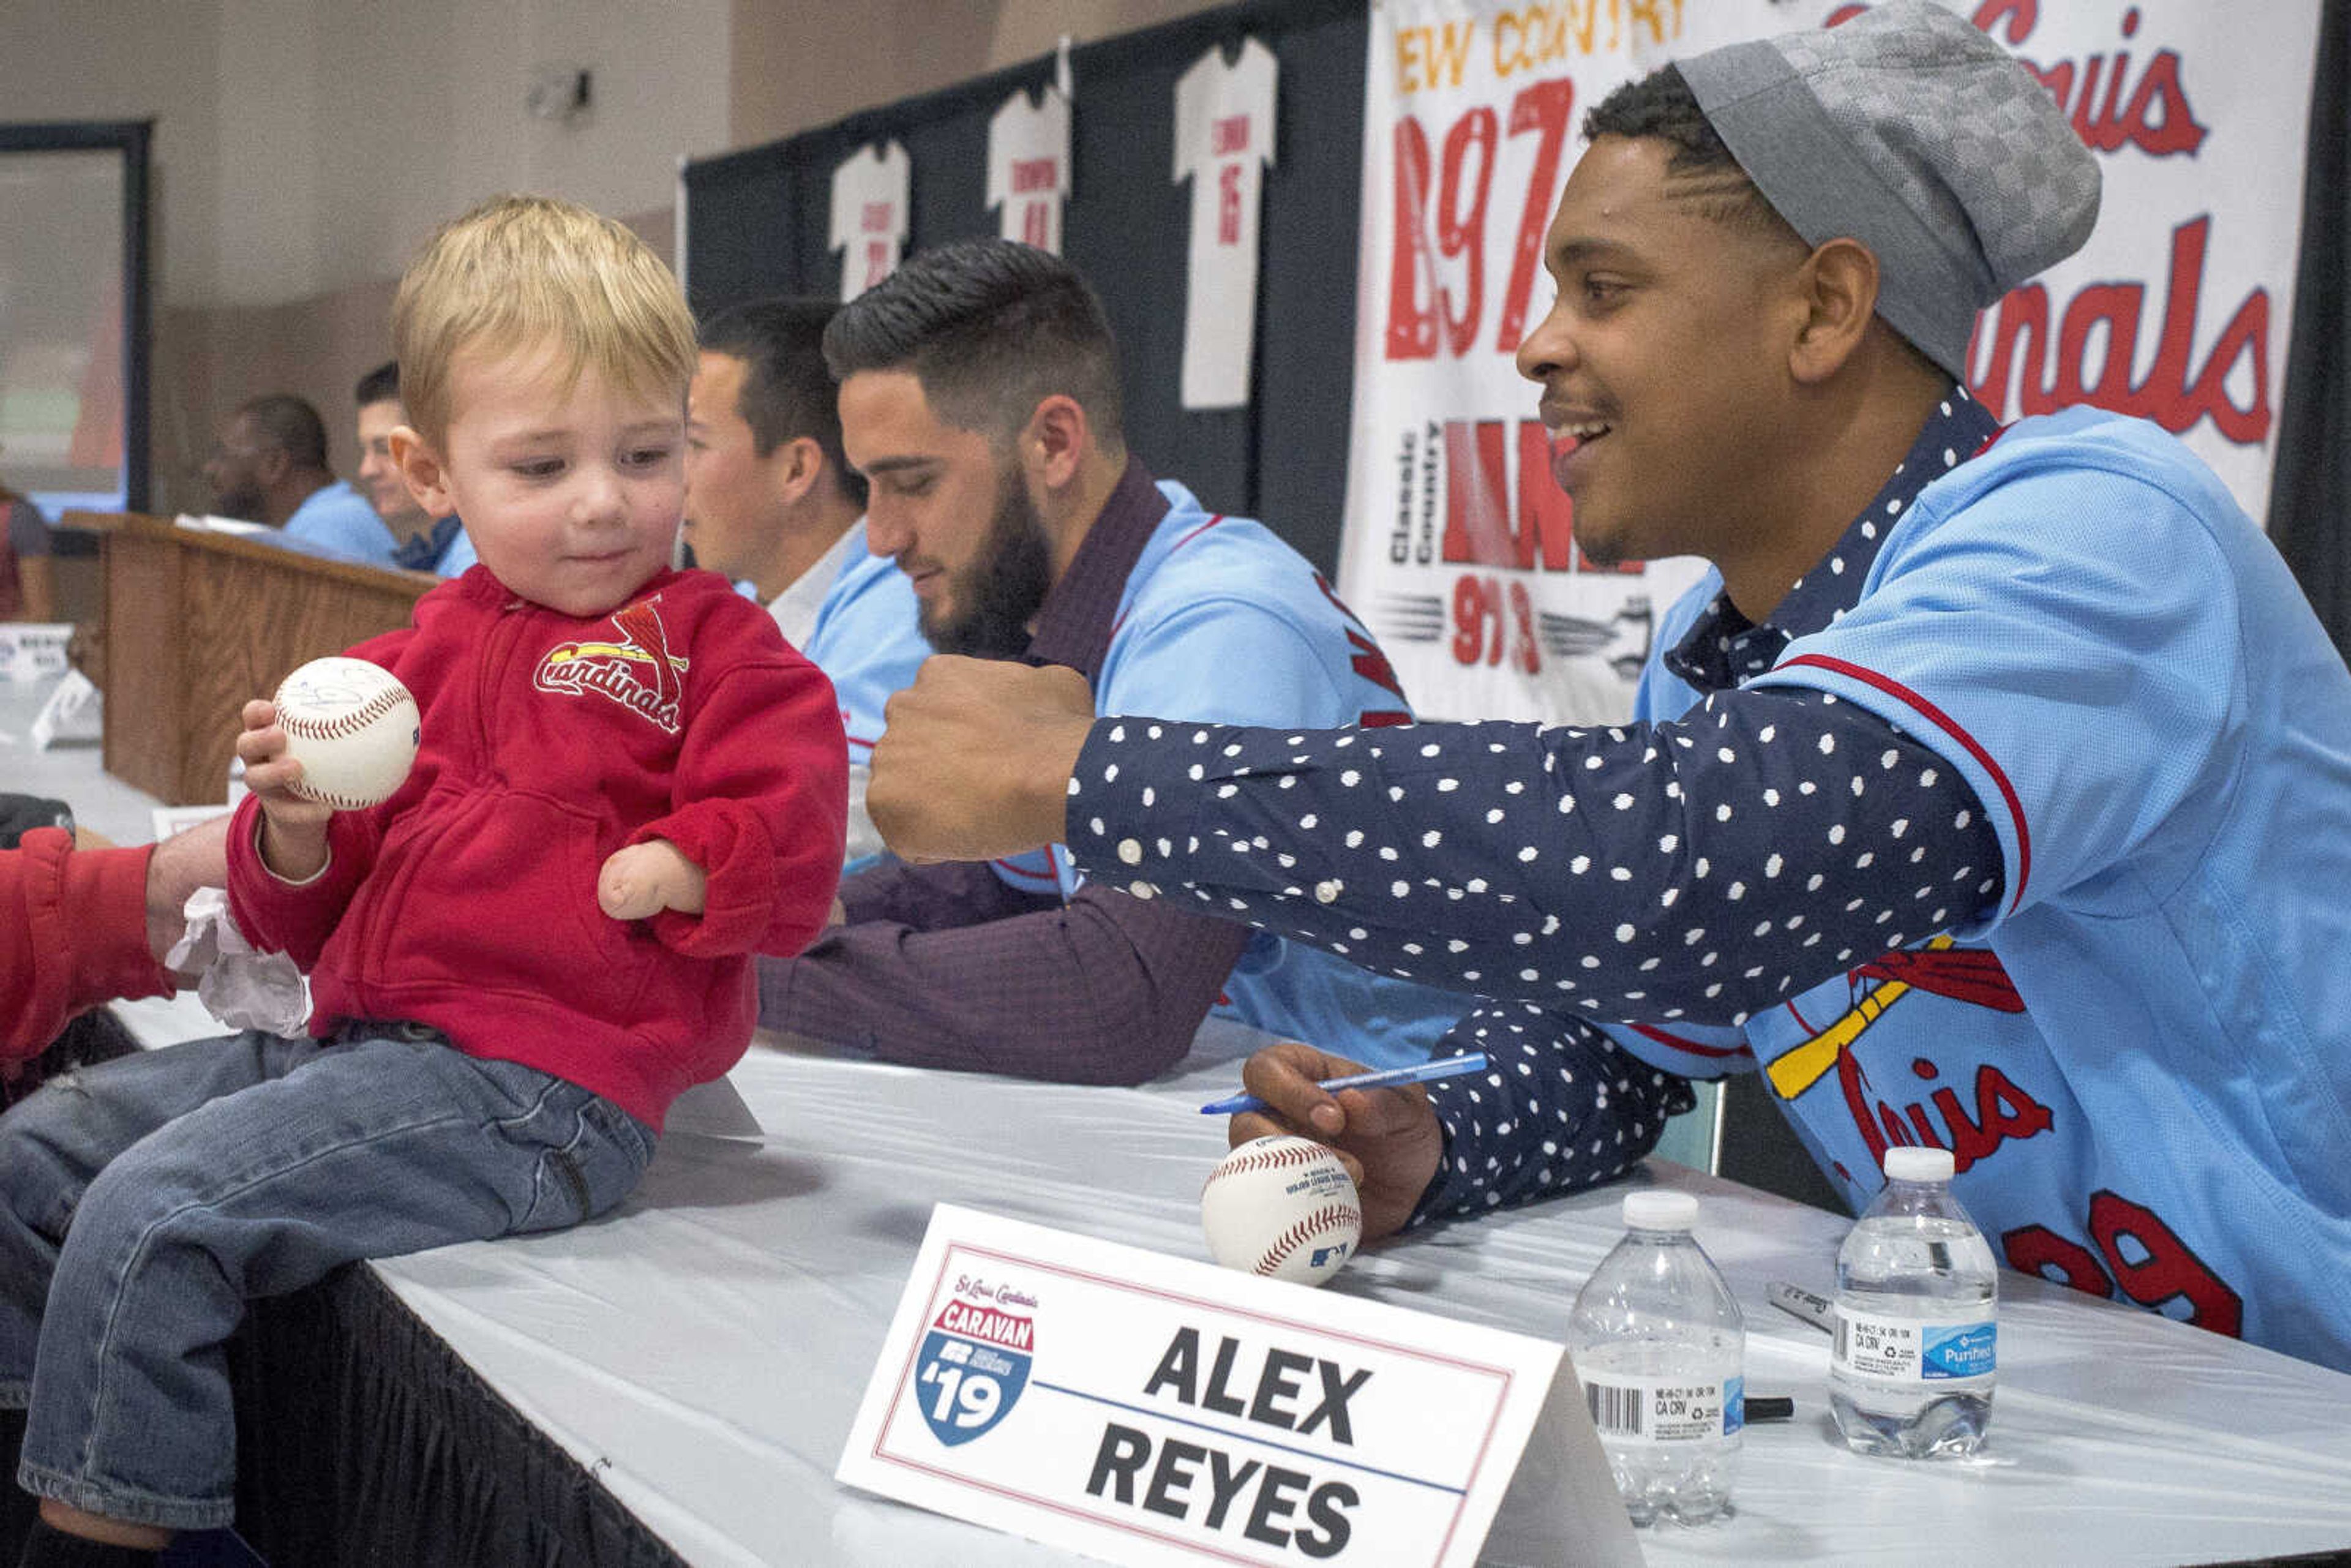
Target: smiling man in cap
[{"x": 1994, "y": 790}]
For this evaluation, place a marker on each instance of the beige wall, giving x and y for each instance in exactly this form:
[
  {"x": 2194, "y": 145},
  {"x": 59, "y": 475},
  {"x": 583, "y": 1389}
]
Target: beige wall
[
  {"x": 415, "y": 111},
  {"x": 304, "y": 147},
  {"x": 799, "y": 66},
  {"x": 133, "y": 59},
  {"x": 430, "y": 118}
]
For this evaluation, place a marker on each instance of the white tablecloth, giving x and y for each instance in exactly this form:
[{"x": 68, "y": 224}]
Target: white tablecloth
[
  {"x": 703, "y": 1350},
  {"x": 70, "y": 771}
]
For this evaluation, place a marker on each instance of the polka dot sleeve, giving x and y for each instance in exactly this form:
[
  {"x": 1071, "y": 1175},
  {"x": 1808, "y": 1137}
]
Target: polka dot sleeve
[
  {"x": 1698, "y": 870},
  {"x": 1563, "y": 1109}
]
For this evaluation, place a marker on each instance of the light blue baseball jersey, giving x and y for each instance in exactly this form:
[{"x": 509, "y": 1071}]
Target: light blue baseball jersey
[
  {"x": 2141, "y": 1057},
  {"x": 446, "y": 549},
  {"x": 1222, "y": 622},
  {"x": 459, "y": 555},
  {"x": 338, "y": 517},
  {"x": 868, "y": 640}
]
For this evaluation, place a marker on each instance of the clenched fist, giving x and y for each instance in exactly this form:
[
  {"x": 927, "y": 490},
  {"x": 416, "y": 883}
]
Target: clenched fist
[{"x": 976, "y": 760}]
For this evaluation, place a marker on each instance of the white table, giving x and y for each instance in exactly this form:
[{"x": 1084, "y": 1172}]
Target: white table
[
  {"x": 703, "y": 1350},
  {"x": 70, "y": 771}
]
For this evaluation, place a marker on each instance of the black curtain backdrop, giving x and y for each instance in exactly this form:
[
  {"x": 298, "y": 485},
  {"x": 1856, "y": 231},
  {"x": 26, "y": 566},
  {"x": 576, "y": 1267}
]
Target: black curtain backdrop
[
  {"x": 2310, "y": 496},
  {"x": 757, "y": 224}
]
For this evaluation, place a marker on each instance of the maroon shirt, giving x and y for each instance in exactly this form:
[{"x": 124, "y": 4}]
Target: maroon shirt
[{"x": 945, "y": 966}]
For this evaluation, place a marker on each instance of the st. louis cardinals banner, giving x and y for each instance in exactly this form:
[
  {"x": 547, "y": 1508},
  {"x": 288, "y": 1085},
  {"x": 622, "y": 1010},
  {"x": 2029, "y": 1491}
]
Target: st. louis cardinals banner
[{"x": 1459, "y": 550}]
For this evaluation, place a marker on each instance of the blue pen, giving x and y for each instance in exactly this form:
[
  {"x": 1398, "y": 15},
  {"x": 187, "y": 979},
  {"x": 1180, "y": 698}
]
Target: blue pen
[{"x": 1422, "y": 1072}]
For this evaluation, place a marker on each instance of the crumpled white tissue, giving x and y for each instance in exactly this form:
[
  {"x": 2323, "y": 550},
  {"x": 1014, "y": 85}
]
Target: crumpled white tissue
[{"x": 242, "y": 987}]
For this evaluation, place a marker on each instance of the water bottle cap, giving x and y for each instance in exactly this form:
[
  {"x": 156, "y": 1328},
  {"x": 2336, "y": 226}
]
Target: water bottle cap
[
  {"x": 1653, "y": 1208},
  {"x": 1903, "y": 1163}
]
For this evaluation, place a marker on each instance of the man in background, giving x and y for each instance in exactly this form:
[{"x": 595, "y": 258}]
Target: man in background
[
  {"x": 268, "y": 465},
  {"x": 425, "y": 543},
  {"x": 771, "y": 501},
  {"x": 981, "y": 398},
  {"x": 28, "y": 589}
]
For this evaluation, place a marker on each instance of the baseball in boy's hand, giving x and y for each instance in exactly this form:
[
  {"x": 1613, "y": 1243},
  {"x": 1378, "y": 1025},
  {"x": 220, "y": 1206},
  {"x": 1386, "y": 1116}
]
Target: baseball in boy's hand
[
  {"x": 353, "y": 726},
  {"x": 644, "y": 879}
]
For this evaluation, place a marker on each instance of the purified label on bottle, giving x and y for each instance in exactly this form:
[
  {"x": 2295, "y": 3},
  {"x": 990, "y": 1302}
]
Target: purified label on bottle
[
  {"x": 1641, "y": 1410},
  {"x": 1905, "y": 1350}
]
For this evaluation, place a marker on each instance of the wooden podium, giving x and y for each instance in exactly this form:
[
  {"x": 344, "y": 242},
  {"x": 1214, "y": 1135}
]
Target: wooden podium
[{"x": 199, "y": 622}]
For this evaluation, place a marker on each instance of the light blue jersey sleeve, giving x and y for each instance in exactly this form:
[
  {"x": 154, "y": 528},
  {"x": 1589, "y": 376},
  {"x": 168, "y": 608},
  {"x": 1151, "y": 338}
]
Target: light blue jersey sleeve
[
  {"x": 339, "y": 519},
  {"x": 2063, "y": 633},
  {"x": 1233, "y": 627},
  {"x": 458, "y": 556},
  {"x": 868, "y": 640},
  {"x": 1224, "y": 661}
]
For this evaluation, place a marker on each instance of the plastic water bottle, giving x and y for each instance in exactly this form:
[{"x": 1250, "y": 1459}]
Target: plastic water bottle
[
  {"x": 1911, "y": 1376},
  {"x": 1661, "y": 1350}
]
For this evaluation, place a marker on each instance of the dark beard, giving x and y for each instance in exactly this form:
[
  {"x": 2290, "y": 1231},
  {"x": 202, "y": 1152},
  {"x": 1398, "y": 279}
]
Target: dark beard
[
  {"x": 247, "y": 504},
  {"x": 996, "y": 598}
]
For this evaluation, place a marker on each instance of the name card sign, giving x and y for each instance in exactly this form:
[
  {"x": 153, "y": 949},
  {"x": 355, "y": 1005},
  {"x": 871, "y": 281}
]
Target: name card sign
[
  {"x": 1144, "y": 1409},
  {"x": 74, "y": 712},
  {"x": 33, "y": 650}
]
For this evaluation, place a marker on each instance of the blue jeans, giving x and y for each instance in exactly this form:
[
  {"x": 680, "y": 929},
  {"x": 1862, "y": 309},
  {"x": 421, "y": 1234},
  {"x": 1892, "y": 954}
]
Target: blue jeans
[{"x": 145, "y": 1201}]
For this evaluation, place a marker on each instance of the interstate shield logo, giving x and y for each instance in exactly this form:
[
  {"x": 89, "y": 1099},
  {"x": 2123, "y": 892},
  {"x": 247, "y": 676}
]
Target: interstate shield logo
[{"x": 973, "y": 1368}]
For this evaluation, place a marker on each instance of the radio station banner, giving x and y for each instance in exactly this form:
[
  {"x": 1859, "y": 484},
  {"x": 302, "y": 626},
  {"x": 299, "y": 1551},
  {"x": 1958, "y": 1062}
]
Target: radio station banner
[{"x": 1459, "y": 550}]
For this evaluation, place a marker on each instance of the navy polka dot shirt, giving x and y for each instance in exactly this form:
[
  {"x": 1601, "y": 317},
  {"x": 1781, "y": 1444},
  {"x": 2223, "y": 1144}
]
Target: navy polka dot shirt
[{"x": 1682, "y": 873}]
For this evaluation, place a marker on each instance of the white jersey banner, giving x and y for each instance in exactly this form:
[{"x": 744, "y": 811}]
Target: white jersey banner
[
  {"x": 869, "y": 209},
  {"x": 1224, "y": 143},
  {"x": 1459, "y": 549},
  {"x": 1029, "y": 167}
]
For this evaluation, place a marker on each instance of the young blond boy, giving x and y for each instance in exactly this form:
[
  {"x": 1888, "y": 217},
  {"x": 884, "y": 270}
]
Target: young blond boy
[{"x": 626, "y": 784}]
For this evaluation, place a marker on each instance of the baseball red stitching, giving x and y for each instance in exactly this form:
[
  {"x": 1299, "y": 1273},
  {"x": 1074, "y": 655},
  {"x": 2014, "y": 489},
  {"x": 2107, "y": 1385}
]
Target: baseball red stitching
[
  {"x": 329, "y": 798},
  {"x": 1269, "y": 1159},
  {"x": 305, "y": 727},
  {"x": 1298, "y": 1235},
  {"x": 312, "y": 729}
]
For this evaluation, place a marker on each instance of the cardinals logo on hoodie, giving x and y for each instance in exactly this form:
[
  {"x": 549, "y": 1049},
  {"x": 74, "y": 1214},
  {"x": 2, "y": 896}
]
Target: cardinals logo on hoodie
[{"x": 636, "y": 669}]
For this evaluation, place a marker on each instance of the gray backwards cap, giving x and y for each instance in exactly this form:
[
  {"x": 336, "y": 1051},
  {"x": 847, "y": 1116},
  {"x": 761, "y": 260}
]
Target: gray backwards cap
[{"x": 1909, "y": 130}]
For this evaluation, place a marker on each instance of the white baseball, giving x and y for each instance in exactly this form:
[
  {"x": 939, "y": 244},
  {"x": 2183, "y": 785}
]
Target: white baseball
[
  {"x": 1282, "y": 1207},
  {"x": 353, "y": 727}
]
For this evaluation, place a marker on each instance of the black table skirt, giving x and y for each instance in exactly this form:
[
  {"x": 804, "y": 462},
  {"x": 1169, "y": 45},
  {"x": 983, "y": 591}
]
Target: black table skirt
[{"x": 364, "y": 1439}]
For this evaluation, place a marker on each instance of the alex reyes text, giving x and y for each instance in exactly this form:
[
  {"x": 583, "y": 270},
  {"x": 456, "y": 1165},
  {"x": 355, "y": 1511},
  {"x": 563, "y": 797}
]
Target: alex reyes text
[{"x": 1204, "y": 1482}]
